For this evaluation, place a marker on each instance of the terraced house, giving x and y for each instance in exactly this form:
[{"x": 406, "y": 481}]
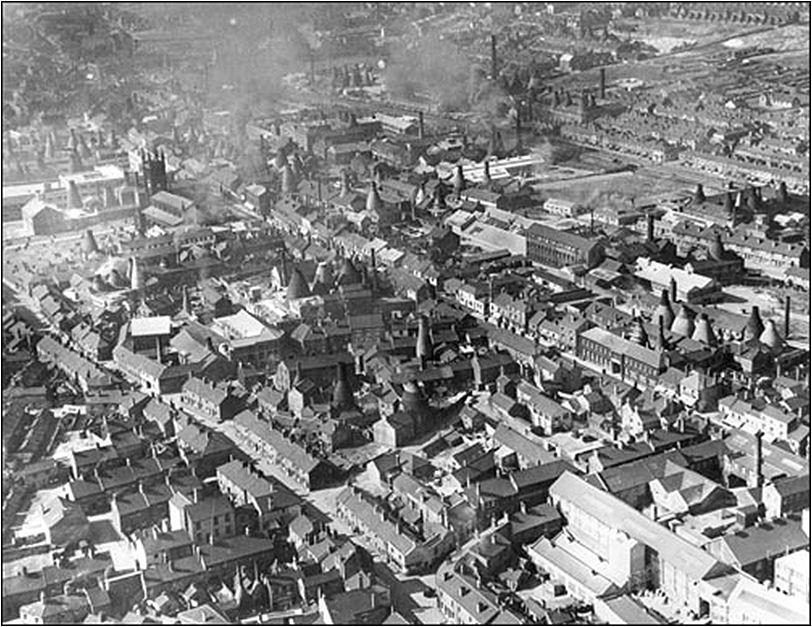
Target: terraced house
[
  {"x": 406, "y": 551},
  {"x": 304, "y": 469},
  {"x": 207, "y": 400}
]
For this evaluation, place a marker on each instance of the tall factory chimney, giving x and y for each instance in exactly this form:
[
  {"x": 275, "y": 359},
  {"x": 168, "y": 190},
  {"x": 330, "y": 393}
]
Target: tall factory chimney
[
  {"x": 421, "y": 130},
  {"x": 649, "y": 226},
  {"x": 786, "y": 317},
  {"x": 493, "y": 57},
  {"x": 758, "y": 479},
  {"x": 603, "y": 83}
]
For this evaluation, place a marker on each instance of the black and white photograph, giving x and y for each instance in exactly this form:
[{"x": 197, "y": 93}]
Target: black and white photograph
[{"x": 406, "y": 313}]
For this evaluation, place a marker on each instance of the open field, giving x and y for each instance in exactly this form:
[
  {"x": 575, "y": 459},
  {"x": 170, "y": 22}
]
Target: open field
[
  {"x": 665, "y": 34},
  {"x": 791, "y": 37},
  {"x": 642, "y": 186}
]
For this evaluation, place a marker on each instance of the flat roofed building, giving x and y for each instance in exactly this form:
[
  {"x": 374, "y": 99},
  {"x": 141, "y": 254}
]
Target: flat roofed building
[
  {"x": 560, "y": 207},
  {"x": 502, "y": 168},
  {"x": 101, "y": 176},
  {"x": 247, "y": 339},
  {"x": 395, "y": 125},
  {"x": 151, "y": 326},
  {"x": 489, "y": 237},
  {"x": 551, "y": 247}
]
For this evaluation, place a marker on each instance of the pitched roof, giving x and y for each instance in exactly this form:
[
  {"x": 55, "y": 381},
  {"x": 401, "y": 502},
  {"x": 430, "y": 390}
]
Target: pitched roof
[
  {"x": 523, "y": 446},
  {"x": 238, "y": 473},
  {"x": 539, "y": 475},
  {"x": 385, "y": 529},
  {"x": 205, "y": 390},
  {"x": 290, "y": 451},
  {"x": 155, "y": 541},
  {"x": 565, "y": 237},
  {"x": 138, "y": 363},
  {"x": 640, "y": 471},
  {"x": 753, "y": 544},
  {"x": 206, "y": 508},
  {"x": 203, "y": 441},
  {"x": 55, "y": 509},
  {"x": 480, "y": 603},
  {"x": 556, "y": 553},
  {"x": 539, "y": 401},
  {"x": 615, "y": 513},
  {"x": 623, "y": 346},
  {"x": 792, "y": 485}
]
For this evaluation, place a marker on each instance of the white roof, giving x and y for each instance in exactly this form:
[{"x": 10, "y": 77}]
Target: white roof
[
  {"x": 694, "y": 562},
  {"x": 99, "y": 174},
  {"x": 766, "y": 605},
  {"x": 376, "y": 244},
  {"x": 459, "y": 218},
  {"x": 390, "y": 255},
  {"x": 255, "y": 188},
  {"x": 29, "y": 189},
  {"x": 154, "y": 325},
  {"x": 490, "y": 238},
  {"x": 402, "y": 121},
  {"x": 560, "y": 202},
  {"x": 500, "y": 168},
  {"x": 661, "y": 274},
  {"x": 241, "y": 324}
]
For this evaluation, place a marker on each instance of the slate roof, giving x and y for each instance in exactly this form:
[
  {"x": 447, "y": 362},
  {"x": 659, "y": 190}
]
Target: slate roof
[
  {"x": 523, "y": 446},
  {"x": 753, "y": 544},
  {"x": 292, "y": 452},
  {"x": 386, "y": 530},
  {"x": 239, "y": 474}
]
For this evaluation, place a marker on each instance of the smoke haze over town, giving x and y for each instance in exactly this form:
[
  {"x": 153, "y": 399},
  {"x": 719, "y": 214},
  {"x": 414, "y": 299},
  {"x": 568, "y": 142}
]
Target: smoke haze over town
[{"x": 385, "y": 313}]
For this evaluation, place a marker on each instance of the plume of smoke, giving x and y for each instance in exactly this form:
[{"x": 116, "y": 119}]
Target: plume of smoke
[
  {"x": 437, "y": 68},
  {"x": 597, "y": 198},
  {"x": 258, "y": 44},
  {"x": 547, "y": 151}
]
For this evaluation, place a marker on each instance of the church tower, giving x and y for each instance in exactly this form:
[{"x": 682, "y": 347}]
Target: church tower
[{"x": 154, "y": 168}]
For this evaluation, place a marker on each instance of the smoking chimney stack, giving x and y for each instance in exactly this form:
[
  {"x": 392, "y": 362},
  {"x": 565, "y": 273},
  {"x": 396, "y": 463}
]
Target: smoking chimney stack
[
  {"x": 603, "y": 83},
  {"x": 420, "y": 128},
  {"x": 786, "y": 317},
  {"x": 649, "y": 226}
]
